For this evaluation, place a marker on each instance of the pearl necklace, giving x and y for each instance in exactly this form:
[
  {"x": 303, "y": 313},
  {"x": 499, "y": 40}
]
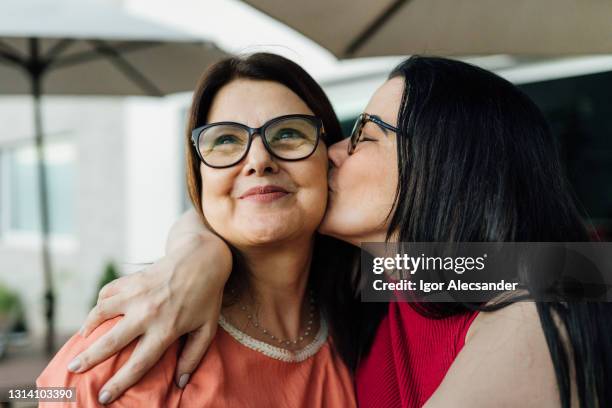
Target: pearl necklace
[{"x": 275, "y": 339}]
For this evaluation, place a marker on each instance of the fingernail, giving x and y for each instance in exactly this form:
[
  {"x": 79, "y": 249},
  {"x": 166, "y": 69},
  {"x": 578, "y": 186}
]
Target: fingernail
[
  {"x": 183, "y": 380},
  {"x": 74, "y": 365},
  {"x": 104, "y": 397},
  {"x": 82, "y": 331}
]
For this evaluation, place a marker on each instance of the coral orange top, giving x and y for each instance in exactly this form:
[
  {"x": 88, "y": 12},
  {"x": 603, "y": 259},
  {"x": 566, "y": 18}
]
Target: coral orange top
[{"x": 237, "y": 371}]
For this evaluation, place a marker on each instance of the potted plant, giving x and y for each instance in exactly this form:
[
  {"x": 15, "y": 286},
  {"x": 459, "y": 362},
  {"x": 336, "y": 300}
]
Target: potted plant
[{"x": 11, "y": 312}]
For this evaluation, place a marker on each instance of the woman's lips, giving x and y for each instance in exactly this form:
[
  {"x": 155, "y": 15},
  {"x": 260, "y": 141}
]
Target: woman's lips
[
  {"x": 266, "y": 197},
  {"x": 264, "y": 194}
]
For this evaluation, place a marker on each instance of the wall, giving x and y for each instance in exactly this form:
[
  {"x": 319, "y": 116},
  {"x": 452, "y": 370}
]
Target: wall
[{"x": 96, "y": 125}]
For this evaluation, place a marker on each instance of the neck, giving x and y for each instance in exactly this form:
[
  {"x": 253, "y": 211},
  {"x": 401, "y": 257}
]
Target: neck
[{"x": 278, "y": 279}]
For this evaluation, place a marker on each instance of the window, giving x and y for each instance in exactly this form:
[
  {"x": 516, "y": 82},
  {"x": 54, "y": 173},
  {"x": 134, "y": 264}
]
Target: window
[{"x": 20, "y": 194}]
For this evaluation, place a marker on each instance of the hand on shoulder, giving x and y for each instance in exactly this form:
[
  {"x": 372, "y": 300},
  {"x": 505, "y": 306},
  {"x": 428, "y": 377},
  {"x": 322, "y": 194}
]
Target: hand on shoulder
[{"x": 89, "y": 383}]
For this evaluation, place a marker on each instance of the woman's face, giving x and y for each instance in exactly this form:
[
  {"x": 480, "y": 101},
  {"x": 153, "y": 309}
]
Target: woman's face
[
  {"x": 245, "y": 219},
  {"x": 362, "y": 186}
]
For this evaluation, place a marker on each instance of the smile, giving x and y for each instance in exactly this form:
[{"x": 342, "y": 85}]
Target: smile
[{"x": 264, "y": 194}]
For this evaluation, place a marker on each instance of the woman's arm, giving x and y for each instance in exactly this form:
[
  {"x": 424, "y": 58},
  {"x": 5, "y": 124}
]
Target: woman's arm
[
  {"x": 188, "y": 227},
  {"x": 505, "y": 362},
  {"x": 179, "y": 294}
]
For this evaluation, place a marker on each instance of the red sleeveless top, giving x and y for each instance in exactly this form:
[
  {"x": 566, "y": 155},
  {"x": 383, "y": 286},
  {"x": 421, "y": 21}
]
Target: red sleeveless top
[{"x": 409, "y": 357}]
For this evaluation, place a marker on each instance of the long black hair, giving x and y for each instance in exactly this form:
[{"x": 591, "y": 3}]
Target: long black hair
[{"x": 478, "y": 163}]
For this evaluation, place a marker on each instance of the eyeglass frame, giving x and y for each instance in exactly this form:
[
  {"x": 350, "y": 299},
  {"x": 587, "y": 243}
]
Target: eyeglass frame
[
  {"x": 195, "y": 136},
  {"x": 360, "y": 122}
]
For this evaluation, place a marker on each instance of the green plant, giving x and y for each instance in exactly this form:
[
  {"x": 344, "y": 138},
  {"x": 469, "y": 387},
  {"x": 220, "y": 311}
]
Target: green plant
[
  {"x": 110, "y": 274},
  {"x": 9, "y": 300},
  {"x": 12, "y": 314}
]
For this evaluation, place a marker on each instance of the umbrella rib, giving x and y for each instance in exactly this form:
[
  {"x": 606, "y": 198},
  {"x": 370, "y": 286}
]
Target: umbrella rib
[
  {"x": 59, "y": 47},
  {"x": 10, "y": 53},
  {"x": 128, "y": 69},
  {"x": 4, "y": 55},
  {"x": 92, "y": 55},
  {"x": 370, "y": 30}
]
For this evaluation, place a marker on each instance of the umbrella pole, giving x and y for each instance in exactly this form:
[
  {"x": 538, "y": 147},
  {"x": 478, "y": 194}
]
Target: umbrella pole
[{"x": 36, "y": 69}]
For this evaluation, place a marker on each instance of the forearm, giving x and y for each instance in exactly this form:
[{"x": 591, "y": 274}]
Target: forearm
[{"x": 187, "y": 228}]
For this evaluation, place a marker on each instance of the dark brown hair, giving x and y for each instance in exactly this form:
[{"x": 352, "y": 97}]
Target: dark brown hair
[{"x": 259, "y": 66}]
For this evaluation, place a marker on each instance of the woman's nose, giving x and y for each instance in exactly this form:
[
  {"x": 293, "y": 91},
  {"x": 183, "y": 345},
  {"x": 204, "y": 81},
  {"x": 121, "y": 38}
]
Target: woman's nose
[
  {"x": 259, "y": 161},
  {"x": 338, "y": 152}
]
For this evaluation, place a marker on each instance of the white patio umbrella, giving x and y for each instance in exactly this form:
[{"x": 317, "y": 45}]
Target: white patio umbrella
[
  {"x": 366, "y": 28},
  {"x": 88, "y": 48}
]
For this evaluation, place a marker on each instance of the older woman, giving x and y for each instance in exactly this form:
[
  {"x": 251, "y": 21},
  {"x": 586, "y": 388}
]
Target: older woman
[{"x": 257, "y": 174}]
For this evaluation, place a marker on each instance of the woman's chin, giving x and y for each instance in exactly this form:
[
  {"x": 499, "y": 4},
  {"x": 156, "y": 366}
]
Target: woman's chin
[
  {"x": 271, "y": 233},
  {"x": 350, "y": 229},
  {"x": 334, "y": 227},
  {"x": 262, "y": 238}
]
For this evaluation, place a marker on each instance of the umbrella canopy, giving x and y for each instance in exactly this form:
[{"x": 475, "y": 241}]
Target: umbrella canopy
[
  {"x": 365, "y": 28},
  {"x": 89, "y": 48}
]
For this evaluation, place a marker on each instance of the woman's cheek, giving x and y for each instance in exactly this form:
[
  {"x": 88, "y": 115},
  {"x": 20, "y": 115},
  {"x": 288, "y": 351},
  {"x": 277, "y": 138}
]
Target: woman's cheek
[
  {"x": 358, "y": 175},
  {"x": 217, "y": 199}
]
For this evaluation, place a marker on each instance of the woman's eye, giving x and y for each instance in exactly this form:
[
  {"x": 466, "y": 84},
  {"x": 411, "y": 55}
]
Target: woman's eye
[
  {"x": 287, "y": 134},
  {"x": 225, "y": 139},
  {"x": 368, "y": 139}
]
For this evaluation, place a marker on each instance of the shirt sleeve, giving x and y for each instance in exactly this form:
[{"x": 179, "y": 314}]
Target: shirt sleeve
[{"x": 153, "y": 390}]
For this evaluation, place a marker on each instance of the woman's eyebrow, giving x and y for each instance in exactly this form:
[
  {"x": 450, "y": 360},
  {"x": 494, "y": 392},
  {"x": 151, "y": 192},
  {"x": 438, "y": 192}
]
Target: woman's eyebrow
[
  {"x": 378, "y": 125},
  {"x": 384, "y": 129}
]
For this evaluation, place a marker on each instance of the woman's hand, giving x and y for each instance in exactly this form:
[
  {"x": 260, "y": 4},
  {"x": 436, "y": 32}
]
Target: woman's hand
[{"x": 180, "y": 294}]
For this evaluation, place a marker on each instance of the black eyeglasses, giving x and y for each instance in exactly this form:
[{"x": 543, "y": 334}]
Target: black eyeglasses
[
  {"x": 289, "y": 137},
  {"x": 360, "y": 123}
]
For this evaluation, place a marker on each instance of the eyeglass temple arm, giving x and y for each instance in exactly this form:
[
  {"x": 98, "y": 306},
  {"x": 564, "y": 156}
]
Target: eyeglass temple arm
[{"x": 382, "y": 123}]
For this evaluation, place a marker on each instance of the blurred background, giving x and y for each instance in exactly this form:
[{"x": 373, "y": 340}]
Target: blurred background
[{"x": 109, "y": 95}]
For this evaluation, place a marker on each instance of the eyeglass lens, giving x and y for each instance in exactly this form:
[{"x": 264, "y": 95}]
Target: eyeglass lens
[{"x": 290, "y": 139}]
